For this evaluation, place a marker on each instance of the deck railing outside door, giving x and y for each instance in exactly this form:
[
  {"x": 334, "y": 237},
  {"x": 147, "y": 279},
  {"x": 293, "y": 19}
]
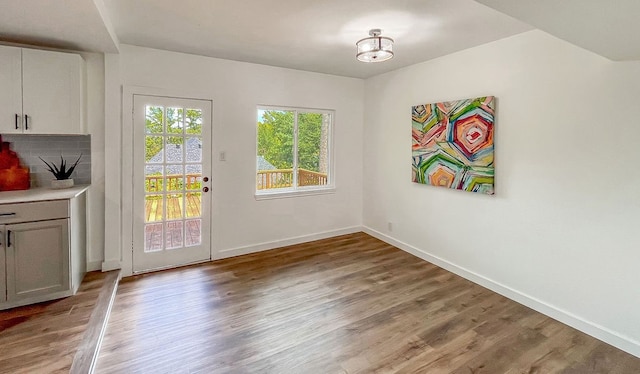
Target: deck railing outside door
[{"x": 282, "y": 178}]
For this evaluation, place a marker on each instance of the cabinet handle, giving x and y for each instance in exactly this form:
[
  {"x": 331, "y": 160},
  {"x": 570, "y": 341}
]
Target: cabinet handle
[
  {"x": 26, "y": 122},
  {"x": 17, "y": 116},
  {"x": 7, "y": 214},
  {"x": 8, "y": 238}
]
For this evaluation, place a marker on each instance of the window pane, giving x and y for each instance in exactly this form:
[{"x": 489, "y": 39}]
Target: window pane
[
  {"x": 194, "y": 204},
  {"x": 175, "y": 122},
  {"x": 153, "y": 178},
  {"x": 275, "y": 149},
  {"x": 154, "y": 119},
  {"x": 153, "y": 149},
  {"x": 175, "y": 178},
  {"x": 175, "y": 206},
  {"x": 194, "y": 121},
  {"x": 153, "y": 208},
  {"x": 193, "y": 177},
  {"x": 313, "y": 149},
  {"x": 193, "y": 234},
  {"x": 173, "y": 148},
  {"x": 153, "y": 237},
  {"x": 174, "y": 235},
  {"x": 194, "y": 150}
]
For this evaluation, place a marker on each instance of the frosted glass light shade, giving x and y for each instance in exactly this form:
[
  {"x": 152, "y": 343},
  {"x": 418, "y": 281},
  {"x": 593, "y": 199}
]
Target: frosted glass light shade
[{"x": 375, "y": 48}]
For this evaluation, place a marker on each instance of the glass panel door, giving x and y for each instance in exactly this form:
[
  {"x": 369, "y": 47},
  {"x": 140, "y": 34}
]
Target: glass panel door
[{"x": 172, "y": 170}]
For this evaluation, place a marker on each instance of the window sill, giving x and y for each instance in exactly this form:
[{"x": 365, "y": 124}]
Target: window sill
[{"x": 286, "y": 193}]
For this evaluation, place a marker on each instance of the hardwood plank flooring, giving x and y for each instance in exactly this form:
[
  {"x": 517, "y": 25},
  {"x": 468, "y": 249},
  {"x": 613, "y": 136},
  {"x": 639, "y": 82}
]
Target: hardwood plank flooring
[
  {"x": 87, "y": 352},
  {"x": 44, "y": 337},
  {"x": 350, "y": 304}
]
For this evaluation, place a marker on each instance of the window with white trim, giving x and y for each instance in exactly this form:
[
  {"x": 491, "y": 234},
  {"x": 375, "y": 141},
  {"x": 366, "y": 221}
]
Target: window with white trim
[{"x": 293, "y": 151}]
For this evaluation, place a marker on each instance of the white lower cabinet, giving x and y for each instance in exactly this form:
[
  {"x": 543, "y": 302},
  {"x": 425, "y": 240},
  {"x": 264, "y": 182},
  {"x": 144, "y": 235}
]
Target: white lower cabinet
[
  {"x": 3, "y": 268},
  {"x": 45, "y": 259},
  {"x": 37, "y": 259}
]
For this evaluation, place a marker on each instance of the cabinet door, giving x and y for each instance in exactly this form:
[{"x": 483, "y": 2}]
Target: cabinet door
[
  {"x": 10, "y": 90},
  {"x": 51, "y": 92},
  {"x": 37, "y": 258},
  {"x": 3, "y": 273}
]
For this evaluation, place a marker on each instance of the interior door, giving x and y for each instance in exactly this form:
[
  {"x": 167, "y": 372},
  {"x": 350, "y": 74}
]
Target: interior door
[{"x": 172, "y": 171}]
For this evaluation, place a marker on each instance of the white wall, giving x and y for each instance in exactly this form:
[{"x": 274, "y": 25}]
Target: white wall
[
  {"x": 240, "y": 222},
  {"x": 562, "y": 233},
  {"x": 94, "y": 117}
]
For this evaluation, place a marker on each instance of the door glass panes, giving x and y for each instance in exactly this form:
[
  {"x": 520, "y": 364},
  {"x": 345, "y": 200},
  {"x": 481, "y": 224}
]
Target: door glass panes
[
  {"x": 194, "y": 201},
  {"x": 154, "y": 181},
  {"x": 175, "y": 122},
  {"x": 153, "y": 149},
  {"x": 174, "y": 235},
  {"x": 154, "y": 124},
  {"x": 154, "y": 208},
  {"x": 175, "y": 206},
  {"x": 173, "y": 178},
  {"x": 193, "y": 120},
  {"x": 154, "y": 119},
  {"x": 192, "y": 232},
  {"x": 193, "y": 150},
  {"x": 153, "y": 237},
  {"x": 193, "y": 177},
  {"x": 173, "y": 149}
]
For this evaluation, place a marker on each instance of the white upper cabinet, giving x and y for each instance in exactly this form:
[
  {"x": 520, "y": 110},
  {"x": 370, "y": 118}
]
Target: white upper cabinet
[
  {"x": 10, "y": 90},
  {"x": 49, "y": 96}
]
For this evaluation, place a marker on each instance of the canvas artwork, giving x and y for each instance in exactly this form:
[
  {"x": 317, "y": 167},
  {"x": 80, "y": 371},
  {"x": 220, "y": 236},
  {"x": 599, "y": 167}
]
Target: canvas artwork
[{"x": 453, "y": 144}]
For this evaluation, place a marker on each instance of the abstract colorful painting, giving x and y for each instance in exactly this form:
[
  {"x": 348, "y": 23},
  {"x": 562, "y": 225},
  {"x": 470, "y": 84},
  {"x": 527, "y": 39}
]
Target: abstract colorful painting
[{"x": 453, "y": 144}]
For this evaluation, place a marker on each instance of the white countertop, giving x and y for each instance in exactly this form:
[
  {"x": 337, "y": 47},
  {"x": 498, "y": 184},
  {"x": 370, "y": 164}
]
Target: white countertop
[{"x": 41, "y": 194}]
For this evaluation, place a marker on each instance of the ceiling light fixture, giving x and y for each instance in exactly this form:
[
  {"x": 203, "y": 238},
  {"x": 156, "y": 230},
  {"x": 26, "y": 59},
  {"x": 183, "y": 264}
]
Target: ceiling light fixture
[{"x": 375, "y": 48}]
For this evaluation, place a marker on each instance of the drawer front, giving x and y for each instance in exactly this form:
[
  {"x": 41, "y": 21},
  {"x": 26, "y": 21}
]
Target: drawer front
[{"x": 35, "y": 211}]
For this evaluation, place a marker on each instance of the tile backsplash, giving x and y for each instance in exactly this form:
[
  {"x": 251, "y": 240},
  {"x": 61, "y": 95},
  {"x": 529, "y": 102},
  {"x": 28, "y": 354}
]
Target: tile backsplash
[{"x": 50, "y": 148}]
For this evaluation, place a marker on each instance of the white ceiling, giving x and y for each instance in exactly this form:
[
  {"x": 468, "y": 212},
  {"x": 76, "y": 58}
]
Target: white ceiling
[
  {"x": 316, "y": 35},
  {"x": 607, "y": 27},
  {"x": 67, "y": 24},
  {"x": 309, "y": 34}
]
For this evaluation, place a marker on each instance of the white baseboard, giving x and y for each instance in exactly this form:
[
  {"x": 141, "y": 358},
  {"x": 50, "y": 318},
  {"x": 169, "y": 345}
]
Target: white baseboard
[
  {"x": 111, "y": 265},
  {"x": 239, "y": 251},
  {"x": 94, "y": 265},
  {"x": 609, "y": 336}
]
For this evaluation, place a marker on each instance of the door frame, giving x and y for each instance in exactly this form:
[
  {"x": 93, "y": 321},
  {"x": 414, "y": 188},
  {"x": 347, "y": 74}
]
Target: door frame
[{"x": 126, "y": 197}]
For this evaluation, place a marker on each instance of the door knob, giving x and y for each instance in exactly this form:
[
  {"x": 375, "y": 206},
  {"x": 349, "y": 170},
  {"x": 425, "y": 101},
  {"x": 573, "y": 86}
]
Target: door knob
[
  {"x": 206, "y": 189},
  {"x": 206, "y": 179}
]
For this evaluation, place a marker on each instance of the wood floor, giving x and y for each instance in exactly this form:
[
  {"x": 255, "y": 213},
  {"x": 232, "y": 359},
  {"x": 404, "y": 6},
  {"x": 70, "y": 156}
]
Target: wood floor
[
  {"x": 52, "y": 336},
  {"x": 350, "y": 304}
]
